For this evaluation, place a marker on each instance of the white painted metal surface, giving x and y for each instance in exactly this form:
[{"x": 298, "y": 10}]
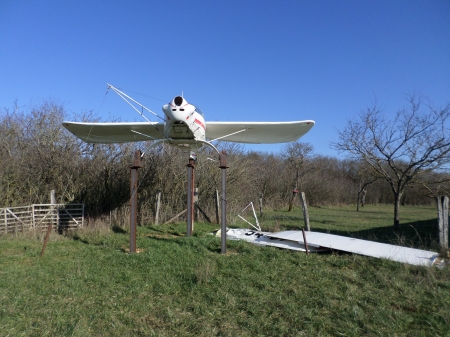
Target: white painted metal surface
[
  {"x": 411, "y": 256},
  {"x": 184, "y": 126},
  {"x": 257, "y": 227},
  {"x": 260, "y": 239}
]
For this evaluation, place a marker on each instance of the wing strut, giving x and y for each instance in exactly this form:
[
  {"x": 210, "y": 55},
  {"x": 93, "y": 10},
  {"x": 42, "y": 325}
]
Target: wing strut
[
  {"x": 243, "y": 130},
  {"x": 123, "y": 95},
  {"x": 143, "y": 134},
  {"x": 257, "y": 227}
]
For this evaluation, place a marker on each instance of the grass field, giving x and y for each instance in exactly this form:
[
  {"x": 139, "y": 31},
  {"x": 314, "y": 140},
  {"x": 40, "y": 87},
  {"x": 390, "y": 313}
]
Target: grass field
[{"x": 85, "y": 285}]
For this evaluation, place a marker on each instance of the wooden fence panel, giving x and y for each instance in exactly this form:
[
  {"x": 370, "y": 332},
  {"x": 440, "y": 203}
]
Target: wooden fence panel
[
  {"x": 39, "y": 216},
  {"x": 15, "y": 219}
]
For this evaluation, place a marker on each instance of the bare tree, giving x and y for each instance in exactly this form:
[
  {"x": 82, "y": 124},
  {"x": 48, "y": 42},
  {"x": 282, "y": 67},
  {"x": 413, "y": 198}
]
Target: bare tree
[
  {"x": 363, "y": 176},
  {"x": 297, "y": 154},
  {"x": 402, "y": 149}
]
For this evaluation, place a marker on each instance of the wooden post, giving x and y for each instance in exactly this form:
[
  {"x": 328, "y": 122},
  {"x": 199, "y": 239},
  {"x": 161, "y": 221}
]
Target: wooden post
[
  {"x": 6, "y": 219},
  {"x": 223, "y": 166},
  {"x": 203, "y": 213},
  {"x": 175, "y": 217},
  {"x": 53, "y": 202},
  {"x": 442, "y": 203},
  {"x": 305, "y": 211},
  {"x": 47, "y": 236},
  {"x": 217, "y": 206},
  {"x": 306, "y": 243},
  {"x": 158, "y": 205},
  {"x": 260, "y": 205},
  {"x": 133, "y": 199},
  {"x": 52, "y": 197},
  {"x": 15, "y": 227},
  {"x": 291, "y": 202},
  {"x": 49, "y": 228}
]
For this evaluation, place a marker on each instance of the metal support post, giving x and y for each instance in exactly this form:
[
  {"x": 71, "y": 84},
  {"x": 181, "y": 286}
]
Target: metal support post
[
  {"x": 133, "y": 199},
  {"x": 223, "y": 227},
  {"x": 196, "y": 207},
  {"x": 216, "y": 197},
  {"x": 190, "y": 194}
]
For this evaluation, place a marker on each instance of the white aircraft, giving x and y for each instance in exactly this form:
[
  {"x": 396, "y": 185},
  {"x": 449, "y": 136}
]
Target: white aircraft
[{"x": 184, "y": 126}]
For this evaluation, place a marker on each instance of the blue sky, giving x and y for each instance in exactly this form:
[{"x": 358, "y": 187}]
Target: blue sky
[{"x": 237, "y": 60}]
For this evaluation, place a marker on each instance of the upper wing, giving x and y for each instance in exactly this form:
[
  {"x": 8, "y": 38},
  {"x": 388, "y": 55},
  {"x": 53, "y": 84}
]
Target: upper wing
[
  {"x": 258, "y": 132},
  {"x": 115, "y": 132}
]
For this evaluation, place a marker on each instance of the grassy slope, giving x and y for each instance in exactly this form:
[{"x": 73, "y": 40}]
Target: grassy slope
[{"x": 182, "y": 286}]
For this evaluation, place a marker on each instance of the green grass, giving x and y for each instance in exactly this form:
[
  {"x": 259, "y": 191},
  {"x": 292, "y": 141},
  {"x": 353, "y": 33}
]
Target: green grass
[{"x": 86, "y": 285}]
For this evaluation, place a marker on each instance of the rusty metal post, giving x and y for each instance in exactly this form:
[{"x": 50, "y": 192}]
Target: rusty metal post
[
  {"x": 306, "y": 243},
  {"x": 190, "y": 196},
  {"x": 133, "y": 199},
  {"x": 196, "y": 207},
  {"x": 223, "y": 166}
]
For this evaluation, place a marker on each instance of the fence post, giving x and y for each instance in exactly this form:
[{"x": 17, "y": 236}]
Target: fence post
[
  {"x": 305, "y": 211},
  {"x": 15, "y": 228},
  {"x": 442, "y": 202},
  {"x": 82, "y": 215},
  {"x": 33, "y": 217},
  {"x": 260, "y": 205},
  {"x": 158, "y": 205},
  {"x": 304, "y": 240}
]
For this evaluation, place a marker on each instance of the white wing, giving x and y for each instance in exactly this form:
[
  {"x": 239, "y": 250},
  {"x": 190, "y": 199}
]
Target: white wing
[
  {"x": 255, "y": 132},
  {"x": 116, "y": 132},
  {"x": 258, "y": 132}
]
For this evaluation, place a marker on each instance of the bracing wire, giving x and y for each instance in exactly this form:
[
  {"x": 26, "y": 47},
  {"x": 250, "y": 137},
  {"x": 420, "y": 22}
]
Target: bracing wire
[
  {"x": 137, "y": 93},
  {"x": 123, "y": 95},
  {"x": 99, "y": 109}
]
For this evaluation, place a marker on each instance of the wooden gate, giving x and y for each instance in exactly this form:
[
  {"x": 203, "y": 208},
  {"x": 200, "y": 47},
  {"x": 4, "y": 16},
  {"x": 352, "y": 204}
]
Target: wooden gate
[{"x": 39, "y": 216}]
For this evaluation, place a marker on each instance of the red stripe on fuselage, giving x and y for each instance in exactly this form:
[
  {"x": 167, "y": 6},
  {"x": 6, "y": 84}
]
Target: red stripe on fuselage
[{"x": 200, "y": 123}]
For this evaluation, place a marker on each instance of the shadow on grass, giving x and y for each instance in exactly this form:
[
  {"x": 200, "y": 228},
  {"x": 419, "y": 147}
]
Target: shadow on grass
[
  {"x": 118, "y": 230},
  {"x": 77, "y": 238},
  {"x": 211, "y": 244},
  {"x": 421, "y": 234}
]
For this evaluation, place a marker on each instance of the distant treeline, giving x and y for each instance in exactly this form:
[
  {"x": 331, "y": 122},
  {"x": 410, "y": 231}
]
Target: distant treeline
[{"x": 37, "y": 154}]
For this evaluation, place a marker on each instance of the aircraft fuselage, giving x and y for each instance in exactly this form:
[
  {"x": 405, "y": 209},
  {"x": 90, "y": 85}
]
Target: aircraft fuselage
[{"x": 184, "y": 124}]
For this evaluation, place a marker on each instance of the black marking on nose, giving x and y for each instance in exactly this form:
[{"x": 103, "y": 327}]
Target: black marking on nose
[{"x": 178, "y": 100}]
